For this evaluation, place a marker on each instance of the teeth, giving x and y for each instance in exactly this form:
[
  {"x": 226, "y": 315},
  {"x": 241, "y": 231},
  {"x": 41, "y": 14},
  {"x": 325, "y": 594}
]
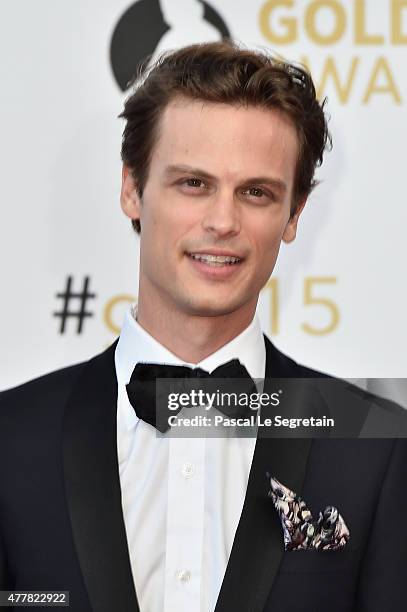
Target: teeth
[{"x": 215, "y": 259}]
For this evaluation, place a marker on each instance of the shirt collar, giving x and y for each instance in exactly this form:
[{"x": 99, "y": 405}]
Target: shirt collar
[{"x": 136, "y": 344}]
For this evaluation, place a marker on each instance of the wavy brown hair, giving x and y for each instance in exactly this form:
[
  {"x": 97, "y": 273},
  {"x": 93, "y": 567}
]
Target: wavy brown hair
[{"x": 225, "y": 73}]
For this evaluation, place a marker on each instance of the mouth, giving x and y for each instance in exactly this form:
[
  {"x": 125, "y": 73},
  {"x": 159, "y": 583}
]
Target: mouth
[{"x": 214, "y": 260}]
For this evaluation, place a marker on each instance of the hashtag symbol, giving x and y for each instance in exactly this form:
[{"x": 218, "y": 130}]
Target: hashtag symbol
[{"x": 67, "y": 296}]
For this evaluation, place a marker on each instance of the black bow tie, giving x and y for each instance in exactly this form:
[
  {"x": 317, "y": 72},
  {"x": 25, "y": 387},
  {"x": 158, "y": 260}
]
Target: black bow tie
[{"x": 150, "y": 407}]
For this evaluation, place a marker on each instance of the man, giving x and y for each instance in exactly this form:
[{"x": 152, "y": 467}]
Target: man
[{"x": 219, "y": 151}]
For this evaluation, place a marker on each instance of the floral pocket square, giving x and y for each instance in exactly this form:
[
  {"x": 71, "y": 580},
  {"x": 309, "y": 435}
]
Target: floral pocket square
[{"x": 301, "y": 530}]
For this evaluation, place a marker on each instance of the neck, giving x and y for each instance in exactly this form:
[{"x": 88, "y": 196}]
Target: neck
[{"x": 192, "y": 338}]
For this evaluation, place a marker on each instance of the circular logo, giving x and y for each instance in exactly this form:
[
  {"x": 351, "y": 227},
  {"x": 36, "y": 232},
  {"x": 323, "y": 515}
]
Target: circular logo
[{"x": 149, "y": 27}]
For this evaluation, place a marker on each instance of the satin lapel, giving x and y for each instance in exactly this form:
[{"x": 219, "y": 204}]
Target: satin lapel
[
  {"x": 93, "y": 487},
  {"x": 258, "y": 545}
]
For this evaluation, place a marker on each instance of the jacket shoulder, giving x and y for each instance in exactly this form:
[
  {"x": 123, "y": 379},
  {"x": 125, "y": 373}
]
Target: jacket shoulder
[
  {"x": 39, "y": 396},
  {"x": 281, "y": 365},
  {"x": 370, "y": 414},
  {"x": 44, "y": 398},
  {"x": 46, "y": 383}
]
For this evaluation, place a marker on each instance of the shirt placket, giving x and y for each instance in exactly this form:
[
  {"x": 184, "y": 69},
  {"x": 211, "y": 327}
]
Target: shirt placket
[{"x": 185, "y": 524}]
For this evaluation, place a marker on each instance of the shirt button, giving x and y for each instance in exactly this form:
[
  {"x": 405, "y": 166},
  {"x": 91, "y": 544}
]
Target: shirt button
[
  {"x": 183, "y": 575},
  {"x": 188, "y": 470}
]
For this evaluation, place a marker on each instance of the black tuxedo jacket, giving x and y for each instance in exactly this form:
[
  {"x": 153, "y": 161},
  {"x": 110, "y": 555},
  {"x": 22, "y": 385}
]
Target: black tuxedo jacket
[{"x": 61, "y": 521}]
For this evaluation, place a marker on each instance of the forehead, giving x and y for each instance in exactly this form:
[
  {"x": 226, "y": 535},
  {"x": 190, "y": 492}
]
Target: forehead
[{"x": 226, "y": 140}]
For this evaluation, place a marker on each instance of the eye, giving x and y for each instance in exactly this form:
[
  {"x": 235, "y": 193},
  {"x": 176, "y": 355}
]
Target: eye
[
  {"x": 255, "y": 191},
  {"x": 259, "y": 194},
  {"x": 193, "y": 182}
]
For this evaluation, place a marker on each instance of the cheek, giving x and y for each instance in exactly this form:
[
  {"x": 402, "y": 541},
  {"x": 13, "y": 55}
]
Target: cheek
[
  {"x": 267, "y": 240},
  {"x": 170, "y": 214}
]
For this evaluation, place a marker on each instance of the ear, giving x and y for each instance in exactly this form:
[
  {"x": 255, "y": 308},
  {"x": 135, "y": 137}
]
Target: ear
[
  {"x": 129, "y": 197},
  {"x": 290, "y": 230}
]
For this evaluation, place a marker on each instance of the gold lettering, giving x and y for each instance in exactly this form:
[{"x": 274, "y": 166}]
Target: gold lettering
[
  {"x": 361, "y": 36},
  {"x": 329, "y": 71},
  {"x": 289, "y": 23},
  {"x": 381, "y": 68},
  {"x": 340, "y": 22},
  {"x": 272, "y": 284},
  {"x": 312, "y": 300},
  {"x": 108, "y": 310},
  {"x": 397, "y": 36}
]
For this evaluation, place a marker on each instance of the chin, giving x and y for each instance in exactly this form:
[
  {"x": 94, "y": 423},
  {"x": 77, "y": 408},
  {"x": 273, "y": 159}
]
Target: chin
[{"x": 211, "y": 308}]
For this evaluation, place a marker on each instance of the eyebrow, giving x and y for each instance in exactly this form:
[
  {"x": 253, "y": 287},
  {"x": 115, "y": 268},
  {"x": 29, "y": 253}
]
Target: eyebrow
[{"x": 269, "y": 180}]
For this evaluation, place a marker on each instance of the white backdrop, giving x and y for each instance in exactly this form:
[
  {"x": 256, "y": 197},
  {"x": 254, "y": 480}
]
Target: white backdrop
[{"x": 60, "y": 180}]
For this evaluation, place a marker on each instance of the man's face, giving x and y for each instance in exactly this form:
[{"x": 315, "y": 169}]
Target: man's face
[{"x": 220, "y": 184}]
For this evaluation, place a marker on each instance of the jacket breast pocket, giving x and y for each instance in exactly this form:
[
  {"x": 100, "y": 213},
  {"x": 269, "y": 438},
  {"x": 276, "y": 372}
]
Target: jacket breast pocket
[{"x": 298, "y": 561}]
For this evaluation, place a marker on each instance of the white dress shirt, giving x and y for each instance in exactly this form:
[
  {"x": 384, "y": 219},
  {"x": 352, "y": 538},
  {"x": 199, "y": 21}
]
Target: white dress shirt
[{"x": 182, "y": 497}]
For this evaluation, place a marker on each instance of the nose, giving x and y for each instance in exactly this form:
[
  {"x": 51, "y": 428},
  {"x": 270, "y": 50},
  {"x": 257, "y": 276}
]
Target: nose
[{"x": 222, "y": 216}]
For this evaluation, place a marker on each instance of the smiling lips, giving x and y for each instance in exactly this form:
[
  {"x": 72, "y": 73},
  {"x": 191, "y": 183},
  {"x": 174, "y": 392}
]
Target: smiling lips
[{"x": 215, "y": 260}]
